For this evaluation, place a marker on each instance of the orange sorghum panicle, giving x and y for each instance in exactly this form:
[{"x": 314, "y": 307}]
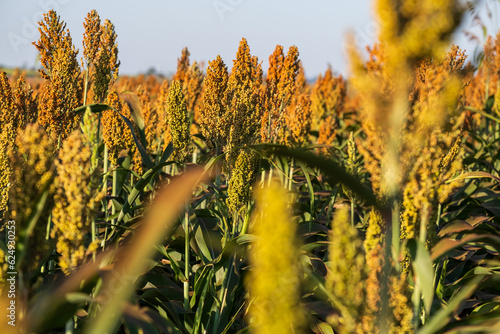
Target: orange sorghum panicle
[
  {"x": 279, "y": 91},
  {"x": 212, "y": 118},
  {"x": 298, "y": 117},
  {"x": 76, "y": 202},
  {"x": 327, "y": 97},
  {"x": 163, "y": 130},
  {"x": 327, "y": 135},
  {"x": 64, "y": 88},
  {"x": 194, "y": 86},
  {"x": 182, "y": 67},
  {"x": 271, "y": 103},
  {"x": 243, "y": 112}
]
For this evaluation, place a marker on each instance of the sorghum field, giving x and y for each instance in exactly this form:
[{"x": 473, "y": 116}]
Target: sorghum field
[{"x": 223, "y": 200}]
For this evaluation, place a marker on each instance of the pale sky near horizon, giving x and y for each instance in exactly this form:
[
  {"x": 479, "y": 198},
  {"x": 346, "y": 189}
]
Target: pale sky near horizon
[{"x": 152, "y": 33}]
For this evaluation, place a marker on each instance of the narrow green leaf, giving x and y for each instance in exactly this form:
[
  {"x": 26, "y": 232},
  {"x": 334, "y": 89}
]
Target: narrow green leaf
[
  {"x": 424, "y": 270},
  {"x": 95, "y": 108},
  {"x": 441, "y": 318},
  {"x": 334, "y": 172},
  {"x": 474, "y": 175},
  {"x": 139, "y": 189}
]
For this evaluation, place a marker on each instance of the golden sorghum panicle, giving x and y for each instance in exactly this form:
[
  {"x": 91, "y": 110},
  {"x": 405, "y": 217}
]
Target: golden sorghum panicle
[
  {"x": 244, "y": 101},
  {"x": 7, "y": 109},
  {"x": 432, "y": 152},
  {"x": 116, "y": 134},
  {"x": 18, "y": 107},
  {"x": 76, "y": 202},
  {"x": 25, "y": 103},
  {"x": 6, "y": 149},
  {"x": 374, "y": 263},
  {"x": 347, "y": 275},
  {"x": 190, "y": 78},
  {"x": 327, "y": 97},
  {"x": 7, "y": 136},
  {"x": 33, "y": 173},
  {"x": 242, "y": 178},
  {"x": 212, "y": 118},
  {"x": 406, "y": 39},
  {"x": 274, "y": 279},
  {"x": 91, "y": 37},
  {"x": 178, "y": 120},
  {"x": 400, "y": 304},
  {"x": 64, "y": 88},
  {"x": 106, "y": 63}
]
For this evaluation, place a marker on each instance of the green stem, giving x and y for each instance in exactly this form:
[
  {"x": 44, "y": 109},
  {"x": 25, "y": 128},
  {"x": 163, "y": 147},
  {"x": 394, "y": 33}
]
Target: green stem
[
  {"x": 86, "y": 87},
  {"x": 186, "y": 254},
  {"x": 290, "y": 179},
  {"x": 352, "y": 211},
  {"x": 186, "y": 258},
  {"x": 417, "y": 297}
]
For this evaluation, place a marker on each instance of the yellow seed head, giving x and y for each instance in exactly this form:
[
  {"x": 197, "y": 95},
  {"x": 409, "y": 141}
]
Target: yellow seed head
[
  {"x": 273, "y": 282},
  {"x": 116, "y": 134},
  {"x": 178, "y": 120},
  {"x": 347, "y": 275},
  {"x": 91, "y": 36},
  {"x": 32, "y": 173},
  {"x": 106, "y": 62},
  {"x": 242, "y": 177},
  {"x": 64, "y": 86},
  {"x": 244, "y": 101},
  {"x": 76, "y": 201},
  {"x": 163, "y": 130}
]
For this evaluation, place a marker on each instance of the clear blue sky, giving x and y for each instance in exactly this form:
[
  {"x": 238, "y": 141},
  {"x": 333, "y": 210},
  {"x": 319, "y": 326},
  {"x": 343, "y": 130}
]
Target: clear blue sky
[{"x": 152, "y": 33}]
